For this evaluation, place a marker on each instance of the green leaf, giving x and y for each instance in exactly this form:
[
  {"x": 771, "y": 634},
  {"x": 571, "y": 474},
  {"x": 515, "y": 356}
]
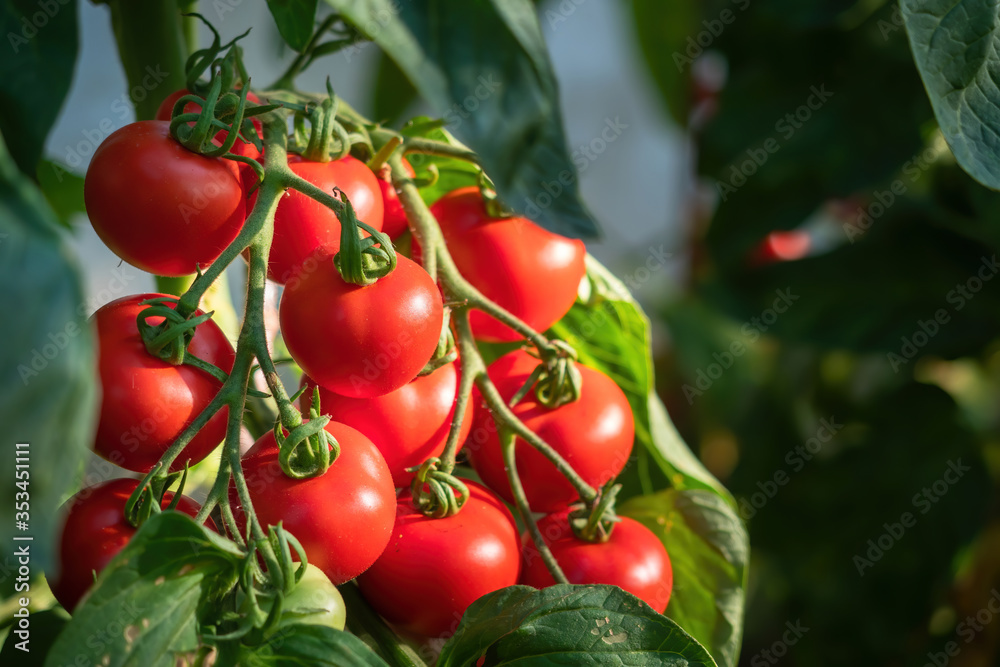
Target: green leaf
[
  {"x": 392, "y": 92},
  {"x": 663, "y": 30},
  {"x": 567, "y": 624},
  {"x": 708, "y": 548},
  {"x": 295, "y": 20},
  {"x": 144, "y": 607},
  {"x": 48, "y": 395},
  {"x": 955, "y": 44},
  {"x": 63, "y": 189},
  {"x": 483, "y": 65},
  {"x": 610, "y": 332},
  {"x": 311, "y": 645},
  {"x": 44, "y": 627},
  {"x": 35, "y": 74},
  {"x": 452, "y": 173}
]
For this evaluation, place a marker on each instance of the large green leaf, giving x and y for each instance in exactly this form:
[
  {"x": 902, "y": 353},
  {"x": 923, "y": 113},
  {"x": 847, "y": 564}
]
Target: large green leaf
[
  {"x": 295, "y": 20},
  {"x": 35, "y": 72},
  {"x": 567, "y": 624},
  {"x": 311, "y": 645},
  {"x": 956, "y": 44},
  {"x": 63, "y": 189},
  {"x": 667, "y": 34},
  {"x": 483, "y": 66},
  {"x": 707, "y": 544},
  {"x": 611, "y": 333},
  {"x": 144, "y": 607},
  {"x": 48, "y": 393}
]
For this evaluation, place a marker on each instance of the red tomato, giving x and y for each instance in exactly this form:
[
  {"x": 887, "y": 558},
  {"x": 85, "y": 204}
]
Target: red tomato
[
  {"x": 94, "y": 532},
  {"x": 632, "y": 558},
  {"x": 362, "y": 341},
  {"x": 342, "y": 518},
  {"x": 147, "y": 402},
  {"x": 527, "y": 270},
  {"x": 409, "y": 425},
  {"x": 594, "y": 434},
  {"x": 240, "y": 147},
  {"x": 394, "y": 221},
  {"x": 306, "y": 230},
  {"x": 159, "y": 206},
  {"x": 433, "y": 569}
]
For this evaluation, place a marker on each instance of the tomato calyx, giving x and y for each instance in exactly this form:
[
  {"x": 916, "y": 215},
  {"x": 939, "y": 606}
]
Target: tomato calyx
[
  {"x": 594, "y": 522},
  {"x": 147, "y": 499},
  {"x": 325, "y": 131},
  {"x": 446, "y": 351},
  {"x": 434, "y": 489},
  {"x": 556, "y": 380},
  {"x": 308, "y": 450},
  {"x": 361, "y": 261}
]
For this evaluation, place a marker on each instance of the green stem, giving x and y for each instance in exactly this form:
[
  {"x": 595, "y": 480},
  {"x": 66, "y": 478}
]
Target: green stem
[
  {"x": 466, "y": 380},
  {"x": 440, "y": 149},
  {"x": 362, "y": 619},
  {"x": 508, "y": 447},
  {"x": 287, "y": 80},
  {"x": 152, "y": 50}
]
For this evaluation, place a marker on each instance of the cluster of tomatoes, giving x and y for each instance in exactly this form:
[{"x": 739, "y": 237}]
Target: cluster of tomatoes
[{"x": 170, "y": 211}]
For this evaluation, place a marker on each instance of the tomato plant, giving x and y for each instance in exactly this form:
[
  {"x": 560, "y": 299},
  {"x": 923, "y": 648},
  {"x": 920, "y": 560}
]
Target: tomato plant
[
  {"x": 190, "y": 207},
  {"x": 594, "y": 434},
  {"x": 95, "y": 530},
  {"x": 433, "y": 569},
  {"x": 147, "y": 402},
  {"x": 408, "y": 425},
  {"x": 394, "y": 219},
  {"x": 362, "y": 341},
  {"x": 522, "y": 267},
  {"x": 342, "y": 518},
  {"x": 632, "y": 558}
]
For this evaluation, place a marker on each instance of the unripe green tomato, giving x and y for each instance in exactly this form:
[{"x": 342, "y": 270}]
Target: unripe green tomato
[{"x": 313, "y": 601}]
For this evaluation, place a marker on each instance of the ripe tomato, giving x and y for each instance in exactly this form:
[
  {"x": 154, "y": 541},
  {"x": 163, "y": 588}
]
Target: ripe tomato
[
  {"x": 594, "y": 434},
  {"x": 394, "y": 221},
  {"x": 159, "y": 206},
  {"x": 342, "y": 518},
  {"x": 94, "y": 532},
  {"x": 433, "y": 569},
  {"x": 408, "y": 425},
  {"x": 305, "y": 229},
  {"x": 147, "y": 402},
  {"x": 529, "y": 271},
  {"x": 632, "y": 558},
  {"x": 362, "y": 341}
]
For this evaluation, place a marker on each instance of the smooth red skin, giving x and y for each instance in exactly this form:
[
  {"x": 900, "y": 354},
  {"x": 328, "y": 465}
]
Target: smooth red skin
[
  {"x": 433, "y": 569},
  {"x": 632, "y": 558},
  {"x": 343, "y": 518},
  {"x": 94, "y": 532},
  {"x": 146, "y": 402},
  {"x": 522, "y": 267},
  {"x": 362, "y": 342},
  {"x": 159, "y": 206},
  {"x": 409, "y": 425},
  {"x": 394, "y": 221},
  {"x": 306, "y": 229},
  {"x": 594, "y": 434}
]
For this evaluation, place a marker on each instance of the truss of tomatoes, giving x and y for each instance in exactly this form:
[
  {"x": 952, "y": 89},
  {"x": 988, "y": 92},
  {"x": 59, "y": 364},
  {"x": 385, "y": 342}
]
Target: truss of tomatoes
[{"x": 419, "y": 573}]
